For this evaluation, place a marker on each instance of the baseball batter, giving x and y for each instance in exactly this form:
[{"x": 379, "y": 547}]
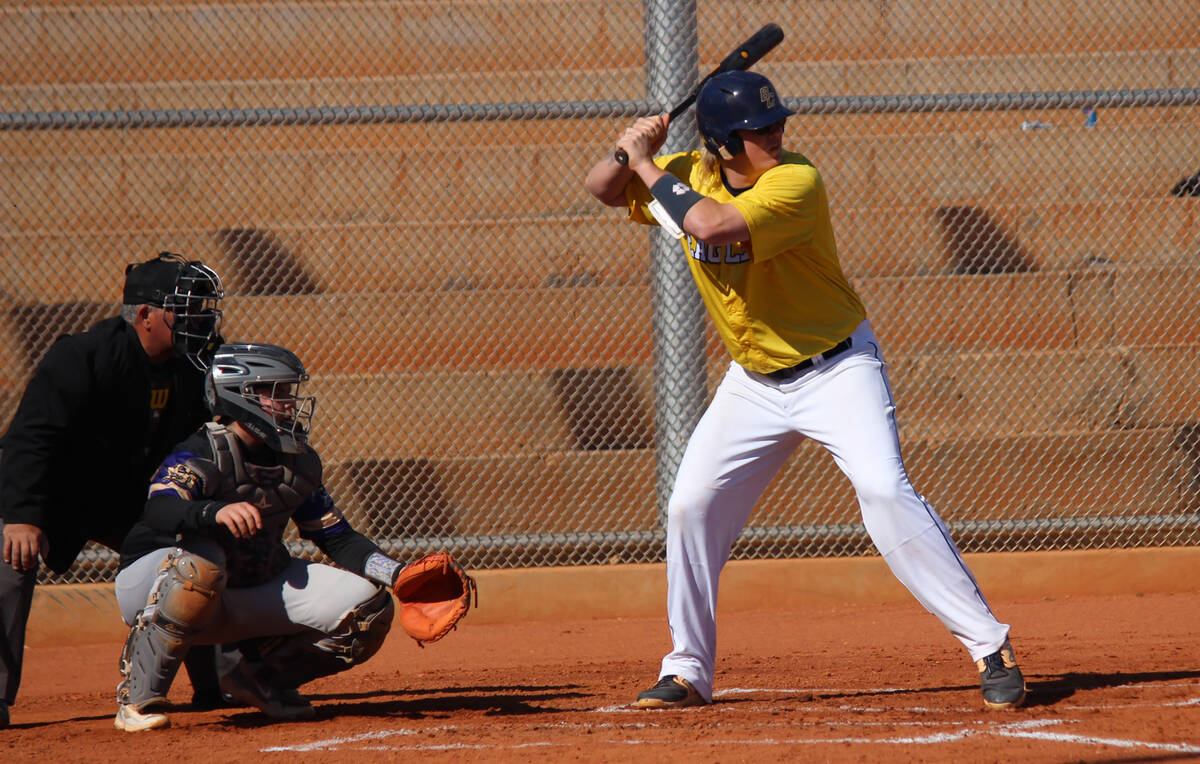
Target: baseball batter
[
  {"x": 755, "y": 227},
  {"x": 206, "y": 564}
]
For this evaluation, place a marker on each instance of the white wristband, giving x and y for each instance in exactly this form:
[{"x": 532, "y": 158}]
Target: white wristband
[
  {"x": 664, "y": 218},
  {"x": 381, "y": 568}
]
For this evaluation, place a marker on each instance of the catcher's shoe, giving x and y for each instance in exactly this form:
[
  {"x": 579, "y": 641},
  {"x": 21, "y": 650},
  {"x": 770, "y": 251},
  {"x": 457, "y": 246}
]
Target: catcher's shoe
[
  {"x": 284, "y": 705},
  {"x": 671, "y": 692},
  {"x": 131, "y": 720},
  {"x": 1001, "y": 680},
  {"x": 210, "y": 701}
]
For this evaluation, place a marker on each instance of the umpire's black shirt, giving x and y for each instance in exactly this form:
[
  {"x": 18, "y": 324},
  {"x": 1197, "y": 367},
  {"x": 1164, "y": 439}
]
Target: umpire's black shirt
[{"x": 83, "y": 444}]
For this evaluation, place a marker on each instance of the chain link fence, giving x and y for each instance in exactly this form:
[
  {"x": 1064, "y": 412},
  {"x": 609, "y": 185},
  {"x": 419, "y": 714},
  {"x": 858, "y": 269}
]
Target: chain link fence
[{"x": 507, "y": 369}]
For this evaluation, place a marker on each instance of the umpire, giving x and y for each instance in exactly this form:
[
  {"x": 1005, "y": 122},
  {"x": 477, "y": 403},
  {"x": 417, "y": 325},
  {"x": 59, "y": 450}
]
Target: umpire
[{"x": 102, "y": 410}]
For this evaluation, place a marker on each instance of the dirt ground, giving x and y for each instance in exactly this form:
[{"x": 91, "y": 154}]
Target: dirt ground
[{"x": 1110, "y": 679}]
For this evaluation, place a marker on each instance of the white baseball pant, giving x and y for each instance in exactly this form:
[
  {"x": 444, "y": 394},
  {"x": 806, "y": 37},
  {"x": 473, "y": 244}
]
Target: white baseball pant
[{"x": 748, "y": 431}]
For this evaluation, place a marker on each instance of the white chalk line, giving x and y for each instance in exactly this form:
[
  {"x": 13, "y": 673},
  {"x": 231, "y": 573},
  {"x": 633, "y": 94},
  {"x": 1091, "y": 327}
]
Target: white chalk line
[
  {"x": 320, "y": 745},
  {"x": 1023, "y": 729},
  {"x": 1120, "y": 706},
  {"x": 1026, "y": 730},
  {"x": 1016, "y": 730},
  {"x": 805, "y": 691}
]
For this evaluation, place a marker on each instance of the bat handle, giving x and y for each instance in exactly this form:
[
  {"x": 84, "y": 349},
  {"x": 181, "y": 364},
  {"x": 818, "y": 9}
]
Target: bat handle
[{"x": 621, "y": 158}]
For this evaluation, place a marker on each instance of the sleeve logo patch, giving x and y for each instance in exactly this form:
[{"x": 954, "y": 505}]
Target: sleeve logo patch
[{"x": 183, "y": 477}]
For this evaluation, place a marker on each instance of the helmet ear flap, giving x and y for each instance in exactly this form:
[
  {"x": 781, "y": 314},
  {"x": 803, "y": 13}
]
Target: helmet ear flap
[{"x": 733, "y": 146}]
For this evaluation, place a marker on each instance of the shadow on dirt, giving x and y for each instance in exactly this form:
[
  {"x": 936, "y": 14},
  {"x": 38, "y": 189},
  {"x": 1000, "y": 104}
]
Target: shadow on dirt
[
  {"x": 1047, "y": 692},
  {"x": 426, "y": 703},
  {"x": 1042, "y": 691}
]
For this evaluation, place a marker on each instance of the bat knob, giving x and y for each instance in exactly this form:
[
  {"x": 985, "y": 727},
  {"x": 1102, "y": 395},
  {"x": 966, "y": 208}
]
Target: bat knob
[{"x": 620, "y": 157}]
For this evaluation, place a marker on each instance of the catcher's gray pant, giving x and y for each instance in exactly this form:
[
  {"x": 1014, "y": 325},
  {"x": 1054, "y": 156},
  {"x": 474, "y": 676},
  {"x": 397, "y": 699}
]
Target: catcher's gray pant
[
  {"x": 306, "y": 595},
  {"x": 752, "y": 426}
]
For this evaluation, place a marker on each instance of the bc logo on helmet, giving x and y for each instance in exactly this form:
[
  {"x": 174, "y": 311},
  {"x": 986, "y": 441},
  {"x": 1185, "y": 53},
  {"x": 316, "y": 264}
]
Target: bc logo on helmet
[{"x": 767, "y": 95}]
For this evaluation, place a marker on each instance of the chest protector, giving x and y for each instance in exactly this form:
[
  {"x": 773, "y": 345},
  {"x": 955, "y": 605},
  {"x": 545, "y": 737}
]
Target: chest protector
[{"x": 277, "y": 490}]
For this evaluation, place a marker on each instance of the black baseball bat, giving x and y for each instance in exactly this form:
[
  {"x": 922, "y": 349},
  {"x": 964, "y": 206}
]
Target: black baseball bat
[{"x": 743, "y": 56}]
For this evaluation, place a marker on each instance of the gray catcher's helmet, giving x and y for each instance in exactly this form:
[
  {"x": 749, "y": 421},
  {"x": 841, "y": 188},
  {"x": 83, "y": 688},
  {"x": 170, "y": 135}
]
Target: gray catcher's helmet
[{"x": 258, "y": 385}]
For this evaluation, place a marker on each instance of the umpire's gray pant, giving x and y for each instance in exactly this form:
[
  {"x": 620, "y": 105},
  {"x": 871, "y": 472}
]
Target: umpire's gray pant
[{"x": 16, "y": 598}]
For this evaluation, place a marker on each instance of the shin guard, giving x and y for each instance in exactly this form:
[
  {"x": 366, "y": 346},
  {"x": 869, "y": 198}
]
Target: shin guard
[{"x": 185, "y": 596}]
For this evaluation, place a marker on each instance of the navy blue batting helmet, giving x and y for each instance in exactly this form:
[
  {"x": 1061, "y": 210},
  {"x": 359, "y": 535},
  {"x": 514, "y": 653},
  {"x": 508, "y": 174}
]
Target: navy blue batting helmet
[{"x": 734, "y": 101}]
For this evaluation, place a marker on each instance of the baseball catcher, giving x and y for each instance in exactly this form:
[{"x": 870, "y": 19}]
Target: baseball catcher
[{"x": 207, "y": 565}]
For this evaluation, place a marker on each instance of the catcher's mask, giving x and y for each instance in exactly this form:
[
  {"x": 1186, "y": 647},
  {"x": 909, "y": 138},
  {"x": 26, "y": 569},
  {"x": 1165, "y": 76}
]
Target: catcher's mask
[
  {"x": 191, "y": 291},
  {"x": 734, "y": 101},
  {"x": 258, "y": 385}
]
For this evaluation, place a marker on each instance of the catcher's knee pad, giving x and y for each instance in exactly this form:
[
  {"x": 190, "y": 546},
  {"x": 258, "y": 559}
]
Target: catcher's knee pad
[
  {"x": 188, "y": 589},
  {"x": 184, "y": 598},
  {"x": 300, "y": 658}
]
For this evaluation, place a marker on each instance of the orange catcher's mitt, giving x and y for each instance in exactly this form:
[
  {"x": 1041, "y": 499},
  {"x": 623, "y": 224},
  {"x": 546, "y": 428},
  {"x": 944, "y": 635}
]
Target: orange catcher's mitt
[{"x": 434, "y": 594}]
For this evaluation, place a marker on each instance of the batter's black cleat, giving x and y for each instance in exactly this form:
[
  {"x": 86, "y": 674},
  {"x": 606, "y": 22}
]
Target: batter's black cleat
[
  {"x": 1001, "y": 680},
  {"x": 671, "y": 692}
]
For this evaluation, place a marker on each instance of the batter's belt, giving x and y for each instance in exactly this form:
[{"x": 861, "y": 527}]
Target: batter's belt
[{"x": 781, "y": 375}]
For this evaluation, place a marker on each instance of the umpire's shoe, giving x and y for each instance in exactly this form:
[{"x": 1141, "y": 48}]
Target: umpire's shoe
[
  {"x": 131, "y": 720},
  {"x": 1001, "y": 680},
  {"x": 242, "y": 686},
  {"x": 671, "y": 692}
]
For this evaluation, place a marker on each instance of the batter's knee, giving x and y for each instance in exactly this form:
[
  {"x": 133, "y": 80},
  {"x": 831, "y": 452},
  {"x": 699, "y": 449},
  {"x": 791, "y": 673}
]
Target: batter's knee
[
  {"x": 689, "y": 507},
  {"x": 883, "y": 492}
]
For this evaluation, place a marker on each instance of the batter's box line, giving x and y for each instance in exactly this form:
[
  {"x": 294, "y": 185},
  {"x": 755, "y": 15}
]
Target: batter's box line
[
  {"x": 1017, "y": 730},
  {"x": 626, "y": 708},
  {"x": 860, "y": 723},
  {"x": 597, "y": 725},
  {"x": 1027, "y": 730},
  {"x": 805, "y": 691},
  {"x": 764, "y": 705},
  {"x": 337, "y": 742}
]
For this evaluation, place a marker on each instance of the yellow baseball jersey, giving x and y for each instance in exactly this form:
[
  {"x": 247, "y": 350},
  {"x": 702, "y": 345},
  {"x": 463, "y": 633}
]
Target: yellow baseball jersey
[{"x": 781, "y": 297}]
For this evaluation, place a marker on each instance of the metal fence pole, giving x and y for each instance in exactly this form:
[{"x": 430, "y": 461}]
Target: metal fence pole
[{"x": 680, "y": 390}]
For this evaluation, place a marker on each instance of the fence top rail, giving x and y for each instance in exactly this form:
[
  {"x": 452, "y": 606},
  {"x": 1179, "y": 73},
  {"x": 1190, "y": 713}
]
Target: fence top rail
[{"x": 543, "y": 110}]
